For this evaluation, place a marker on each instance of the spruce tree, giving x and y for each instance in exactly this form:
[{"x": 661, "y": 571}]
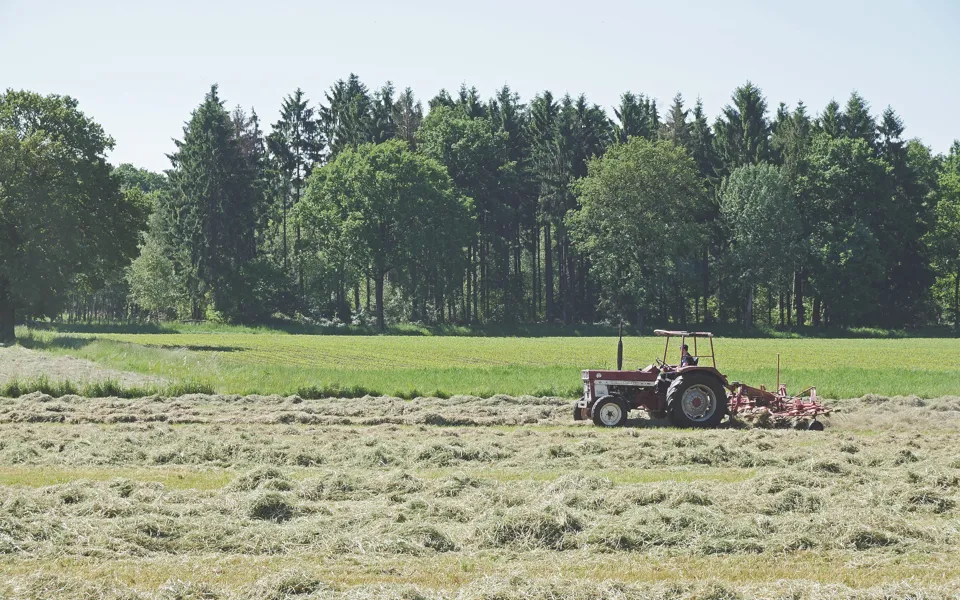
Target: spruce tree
[
  {"x": 702, "y": 144},
  {"x": 407, "y": 116},
  {"x": 211, "y": 210},
  {"x": 831, "y": 119},
  {"x": 742, "y": 130},
  {"x": 468, "y": 100},
  {"x": 548, "y": 167},
  {"x": 509, "y": 117},
  {"x": 631, "y": 119},
  {"x": 347, "y": 117},
  {"x": 906, "y": 292},
  {"x": 382, "y": 126},
  {"x": 791, "y": 142},
  {"x": 296, "y": 145},
  {"x": 708, "y": 163},
  {"x": 857, "y": 123},
  {"x": 675, "y": 128}
]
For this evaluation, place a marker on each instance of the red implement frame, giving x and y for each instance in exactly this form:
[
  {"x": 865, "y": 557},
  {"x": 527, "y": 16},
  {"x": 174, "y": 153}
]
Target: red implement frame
[{"x": 745, "y": 399}]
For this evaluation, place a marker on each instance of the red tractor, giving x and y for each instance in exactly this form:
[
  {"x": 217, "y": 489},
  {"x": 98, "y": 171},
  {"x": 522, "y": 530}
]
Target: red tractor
[{"x": 692, "y": 395}]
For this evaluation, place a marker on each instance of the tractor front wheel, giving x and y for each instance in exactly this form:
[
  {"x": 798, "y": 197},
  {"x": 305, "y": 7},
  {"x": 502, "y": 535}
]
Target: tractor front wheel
[
  {"x": 577, "y": 411},
  {"x": 696, "y": 400},
  {"x": 610, "y": 412}
]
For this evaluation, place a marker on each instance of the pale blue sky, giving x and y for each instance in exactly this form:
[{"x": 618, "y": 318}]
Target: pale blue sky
[{"x": 139, "y": 68}]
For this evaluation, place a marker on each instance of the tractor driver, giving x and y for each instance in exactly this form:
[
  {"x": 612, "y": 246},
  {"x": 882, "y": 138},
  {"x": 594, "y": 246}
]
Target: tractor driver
[{"x": 686, "y": 359}]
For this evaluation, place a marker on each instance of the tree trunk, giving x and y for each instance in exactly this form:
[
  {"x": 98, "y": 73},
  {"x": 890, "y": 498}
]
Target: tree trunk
[
  {"x": 769, "y": 307},
  {"x": 518, "y": 274},
  {"x": 816, "y": 311},
  {"x": 537, "y": 306},
  {"x": 706, "y": 286},
  {"x": 484, "y": 281},
  {"x": 548, "y": 270},
  {"x": 286, "y": 266},
  {"x": 748, "y": 313},
  {"x": 956, "y": 299},
  {"x": 368, "y": 293},
  {"x": 7, "y": 316},
  {"x": 381, "y": 324},
  {"x": 798, "y": 296},
  {"x": 468, "y": 294},
  {"x": 789, "y": 309},
  {"x": 475, "y": 274},
  {"x": 570, "y": 300},
  {"x": 562, "y": 291}
]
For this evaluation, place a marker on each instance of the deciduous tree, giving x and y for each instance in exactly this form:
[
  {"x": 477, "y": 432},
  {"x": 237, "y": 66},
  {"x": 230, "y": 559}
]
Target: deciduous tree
[
  {"x": 638, "y": 217},
  {"x": 63, "y": 218},
  {"x": 384, "y": 206},
  {"x": 763, "y": 224}
]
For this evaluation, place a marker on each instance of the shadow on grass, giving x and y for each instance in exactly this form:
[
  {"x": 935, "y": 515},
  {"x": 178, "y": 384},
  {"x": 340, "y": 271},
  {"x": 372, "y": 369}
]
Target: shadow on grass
[
  {"x": 200, "y": 348},
  {"x": 647, "y": 423},
  {"x": 28, "y": 340}
]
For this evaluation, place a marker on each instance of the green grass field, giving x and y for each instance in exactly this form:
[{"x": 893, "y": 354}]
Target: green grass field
[{"x": 246, "y": 362}]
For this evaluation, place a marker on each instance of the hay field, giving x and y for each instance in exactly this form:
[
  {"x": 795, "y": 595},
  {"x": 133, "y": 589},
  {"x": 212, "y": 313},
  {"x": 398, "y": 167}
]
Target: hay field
[
  {"x": 220, "y": 497},
  {"x": 406, "y": 366}
]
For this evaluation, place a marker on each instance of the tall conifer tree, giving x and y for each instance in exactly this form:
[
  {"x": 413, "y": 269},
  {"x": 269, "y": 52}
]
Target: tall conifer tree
[{"x": 212, "y": 209}]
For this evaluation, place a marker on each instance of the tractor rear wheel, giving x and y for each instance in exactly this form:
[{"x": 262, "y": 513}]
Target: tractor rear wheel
[
  {"x": 696, "y": 400},
  {"x": 610, "y": 411}
]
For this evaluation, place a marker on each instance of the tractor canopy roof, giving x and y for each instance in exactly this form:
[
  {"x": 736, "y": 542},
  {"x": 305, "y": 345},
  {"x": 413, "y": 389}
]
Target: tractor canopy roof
[{"x": 683, "y": 333}]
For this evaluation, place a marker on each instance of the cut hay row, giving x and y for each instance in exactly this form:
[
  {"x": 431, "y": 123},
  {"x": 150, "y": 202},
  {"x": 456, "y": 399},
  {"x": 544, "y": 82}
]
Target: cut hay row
[
  {"x": 208, "y": 496},
  {"x": 870, "y": 411}
]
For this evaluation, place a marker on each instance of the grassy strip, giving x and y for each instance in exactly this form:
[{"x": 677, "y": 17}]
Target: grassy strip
[
  {"x": 408, "y": 367},
  {"x": 448, "y": 572},
  {"x": 212, "y": 478},
  {"x": 617, "y": 476},
  {"x": 207, "y": 478},
  {"x": 105, "y": 388}
]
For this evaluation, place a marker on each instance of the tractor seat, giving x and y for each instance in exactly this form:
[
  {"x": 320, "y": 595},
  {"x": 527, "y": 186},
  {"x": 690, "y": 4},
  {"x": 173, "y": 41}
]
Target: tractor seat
[{"x": 696, "y": 360}]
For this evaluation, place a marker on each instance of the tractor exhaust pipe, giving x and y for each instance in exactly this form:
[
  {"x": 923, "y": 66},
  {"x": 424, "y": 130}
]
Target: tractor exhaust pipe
[{"x": 620, "y": 348}]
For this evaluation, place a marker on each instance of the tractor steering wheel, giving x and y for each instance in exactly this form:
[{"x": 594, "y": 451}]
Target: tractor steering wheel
[{"x": 660, "y": 363}]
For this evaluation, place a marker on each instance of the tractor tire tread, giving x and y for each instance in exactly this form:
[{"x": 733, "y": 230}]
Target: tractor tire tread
[{"x": 680, "y": 385}]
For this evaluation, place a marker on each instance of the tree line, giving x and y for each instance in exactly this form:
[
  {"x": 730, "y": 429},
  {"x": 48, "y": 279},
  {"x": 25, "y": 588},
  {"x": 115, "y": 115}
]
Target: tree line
[{"x": 367, "y": 208}]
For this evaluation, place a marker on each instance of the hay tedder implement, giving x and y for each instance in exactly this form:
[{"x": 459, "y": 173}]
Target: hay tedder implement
[{"x": 690, "y": 394}]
